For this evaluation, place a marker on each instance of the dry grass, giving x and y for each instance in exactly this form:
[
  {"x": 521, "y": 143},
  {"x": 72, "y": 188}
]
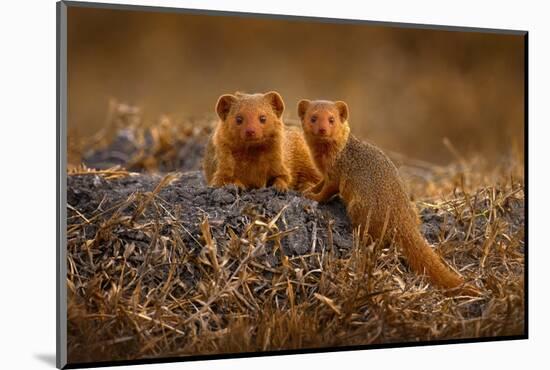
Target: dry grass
[
  {"x": 170, "y": 299},
  {"x": 155, "y": 147}
]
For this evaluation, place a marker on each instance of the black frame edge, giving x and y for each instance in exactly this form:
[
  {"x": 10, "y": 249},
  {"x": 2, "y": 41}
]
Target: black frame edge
[
  {"x": 526, "y": 183},
  {"x": 303, "y": 351}
]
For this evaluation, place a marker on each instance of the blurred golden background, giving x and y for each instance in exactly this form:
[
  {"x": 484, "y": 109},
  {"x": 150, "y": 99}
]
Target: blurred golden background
[{"x": 407, "y": 89}]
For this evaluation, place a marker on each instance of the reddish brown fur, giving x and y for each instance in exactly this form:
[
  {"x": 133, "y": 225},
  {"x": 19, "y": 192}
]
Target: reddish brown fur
[
  {"x": 252, "y": 148},
  {"x": 370, "y": 186},
  {"x": 303, "y": 172}
]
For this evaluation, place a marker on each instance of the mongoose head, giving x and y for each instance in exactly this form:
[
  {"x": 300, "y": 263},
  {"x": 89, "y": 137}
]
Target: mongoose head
[
  {"x": 324, "y": 120},
  {"x": 252, "y": 119}
]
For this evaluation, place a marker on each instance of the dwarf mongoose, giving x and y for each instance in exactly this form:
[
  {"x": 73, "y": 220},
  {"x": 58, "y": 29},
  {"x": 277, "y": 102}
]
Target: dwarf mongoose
[
  {"x": 252, "y": 148},
  {"x": 370, "y": 187}
]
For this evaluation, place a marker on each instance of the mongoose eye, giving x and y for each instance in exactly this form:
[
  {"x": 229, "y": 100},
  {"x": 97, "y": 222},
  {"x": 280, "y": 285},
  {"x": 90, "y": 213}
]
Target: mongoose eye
[
  {"x": 239, "y": 120},
  {"x": 263, "y": 119},
  {"x": 313, "y": 119},
  {"x": 331, "y": 120}
]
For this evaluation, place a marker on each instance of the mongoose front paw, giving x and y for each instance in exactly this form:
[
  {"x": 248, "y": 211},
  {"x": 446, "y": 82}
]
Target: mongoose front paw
[
  {"x": 311, "y": 195},
  {"x": 308, "y": 190},
  {"x": 280, "y": 185},
  {"x": 239, "y": 184},
  {"x": 219, "y": 182}
]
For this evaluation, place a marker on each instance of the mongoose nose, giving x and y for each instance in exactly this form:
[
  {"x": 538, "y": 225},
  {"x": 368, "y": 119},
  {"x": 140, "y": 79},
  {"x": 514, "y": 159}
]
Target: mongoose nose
[
  {"x": 250, "y": 133},
  {"x": 322, "y": 131}
]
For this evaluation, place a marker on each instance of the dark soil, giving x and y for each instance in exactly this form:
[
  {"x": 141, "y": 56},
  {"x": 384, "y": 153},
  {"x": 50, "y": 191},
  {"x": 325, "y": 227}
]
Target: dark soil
[{"x": 191, "y": 201}]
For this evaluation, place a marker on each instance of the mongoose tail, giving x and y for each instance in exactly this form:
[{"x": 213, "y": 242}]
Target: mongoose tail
[
  {"x": 423, "y": 259},
  {"x": 401, "y": 227}
]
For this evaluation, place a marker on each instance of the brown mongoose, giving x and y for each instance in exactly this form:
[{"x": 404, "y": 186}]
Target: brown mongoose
[
  {"x": 370, "y": 186},
  {"x": 252, "y": 148}
]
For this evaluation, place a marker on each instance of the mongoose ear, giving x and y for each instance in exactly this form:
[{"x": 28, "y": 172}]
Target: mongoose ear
[
  {"x": 224, "y": 105},
  {"x": 276, "y": 102},
  {"x": 343, "y": 110},
  {"x": 303, "y": 105}
]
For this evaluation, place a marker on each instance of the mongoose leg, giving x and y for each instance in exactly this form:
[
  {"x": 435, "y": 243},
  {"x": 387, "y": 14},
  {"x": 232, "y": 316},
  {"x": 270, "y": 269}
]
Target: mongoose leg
[
  {"x": 281, "y": 183},
  {"x": 221, "y": 180},
  {"x": 329, "y": 189},
  {"x": 315, "y": 188},
  {"x": 281, "y": 176},
  {"x": 224, "y": 176}
]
